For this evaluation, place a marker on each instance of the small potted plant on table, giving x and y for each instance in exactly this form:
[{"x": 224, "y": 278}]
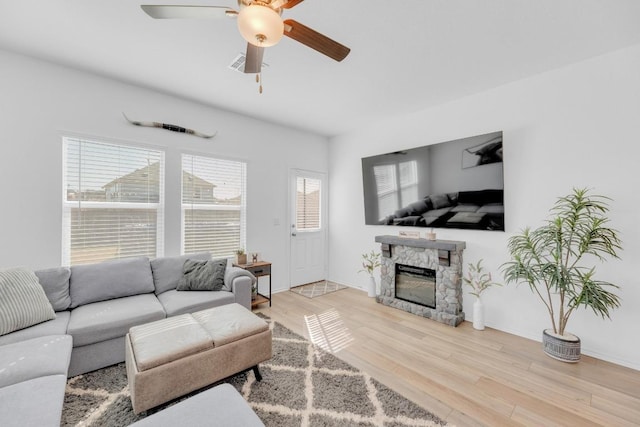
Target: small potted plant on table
[{"x": 241, "y": 256}]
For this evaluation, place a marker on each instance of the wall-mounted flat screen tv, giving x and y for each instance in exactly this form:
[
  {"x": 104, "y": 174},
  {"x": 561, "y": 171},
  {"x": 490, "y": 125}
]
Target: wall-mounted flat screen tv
[{"x": 453, "y": 184}]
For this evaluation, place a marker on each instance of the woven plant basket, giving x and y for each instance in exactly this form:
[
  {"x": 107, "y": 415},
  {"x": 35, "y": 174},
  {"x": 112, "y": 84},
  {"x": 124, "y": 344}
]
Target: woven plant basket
[{"x": 565, "y": 348}]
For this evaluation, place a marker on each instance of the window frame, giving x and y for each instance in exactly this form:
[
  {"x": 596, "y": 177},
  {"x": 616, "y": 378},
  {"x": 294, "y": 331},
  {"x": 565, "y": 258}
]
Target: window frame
[
  {"x": 67, "y": 205},
  {"x": 242, "y": 208}
]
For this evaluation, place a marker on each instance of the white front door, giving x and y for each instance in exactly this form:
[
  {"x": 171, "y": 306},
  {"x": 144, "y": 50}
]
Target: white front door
[{"x": 308, "y": 231}]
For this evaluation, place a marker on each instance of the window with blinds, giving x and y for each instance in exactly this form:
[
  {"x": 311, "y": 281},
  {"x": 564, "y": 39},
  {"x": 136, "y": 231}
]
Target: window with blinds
[
  {"x": 213, "y": 205},
  {"x": 113, "y": 201},
  {"x": 396, "y": 186},
  {"x": 307, "y": 203}
]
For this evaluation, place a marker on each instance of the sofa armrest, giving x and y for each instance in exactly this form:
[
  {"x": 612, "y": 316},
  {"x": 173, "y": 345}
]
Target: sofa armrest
[{"x": 240, "y": 282}]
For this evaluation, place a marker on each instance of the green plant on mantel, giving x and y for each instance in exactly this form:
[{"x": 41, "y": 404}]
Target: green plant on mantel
[
  {"x": 555, "y": 259},
  {"x": 478, "y": 279},
  {"x": 370, "y": 261}
]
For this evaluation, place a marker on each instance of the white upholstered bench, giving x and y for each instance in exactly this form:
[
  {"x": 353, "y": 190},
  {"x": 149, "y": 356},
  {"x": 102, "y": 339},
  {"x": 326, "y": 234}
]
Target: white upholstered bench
[{"x": 171, "y": 357}]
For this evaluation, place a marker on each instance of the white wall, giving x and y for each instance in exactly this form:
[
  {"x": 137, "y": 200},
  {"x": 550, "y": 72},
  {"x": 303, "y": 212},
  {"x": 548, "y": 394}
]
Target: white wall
[
  {"x": 448, "y": 179},
  {"x": 574, "y": 127},
  {"x": 39, "y": 102}
]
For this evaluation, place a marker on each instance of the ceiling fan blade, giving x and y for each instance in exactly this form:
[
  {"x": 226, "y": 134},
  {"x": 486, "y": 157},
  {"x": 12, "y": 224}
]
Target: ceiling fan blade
[
  {"x": 284, "y": 4},
  {"x": 187, "y": 12},
  {"x": 253, "y": 60},
  {"x": 291, "y": 3},
  {"x": 315, "y": 40}
]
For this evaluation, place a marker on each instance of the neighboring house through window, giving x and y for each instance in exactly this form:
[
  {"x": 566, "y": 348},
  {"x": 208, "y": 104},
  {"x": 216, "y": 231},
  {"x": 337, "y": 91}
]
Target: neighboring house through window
[
  {"x": 113, "y": 201},
  {"x": 213, "y": 205}
]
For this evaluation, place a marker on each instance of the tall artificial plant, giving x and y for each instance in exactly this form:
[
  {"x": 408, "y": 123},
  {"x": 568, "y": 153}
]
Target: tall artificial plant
[{"x": 555, "y": 259}]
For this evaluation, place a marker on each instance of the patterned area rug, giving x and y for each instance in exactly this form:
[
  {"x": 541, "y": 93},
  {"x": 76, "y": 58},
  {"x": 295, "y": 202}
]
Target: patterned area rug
[
  {"x": 302, "y": 385},
  {"x": 317, "y": 289}
]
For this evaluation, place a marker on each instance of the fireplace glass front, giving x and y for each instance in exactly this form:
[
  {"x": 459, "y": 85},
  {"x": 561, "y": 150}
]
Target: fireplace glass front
[{"x": 416, "y": 285}]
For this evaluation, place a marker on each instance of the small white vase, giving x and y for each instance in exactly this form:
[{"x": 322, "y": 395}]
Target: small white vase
[
  {"x": 371, "y": 291},
  {"x": 478, "y": 315}
]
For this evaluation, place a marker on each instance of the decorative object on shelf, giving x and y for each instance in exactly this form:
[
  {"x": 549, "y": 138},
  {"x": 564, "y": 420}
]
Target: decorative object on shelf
[
  {"x": 241, "y": 257},
  {"x": 371, "y": 261},
  {"x": 409, "y": 234},
  {"x": 430, "y": 235},
  {"x": 479, "y": 280},
  {"x": 255, "y": 257},
  {"x": 170, "y": 127},
  {"x": 555, "y": 260}
]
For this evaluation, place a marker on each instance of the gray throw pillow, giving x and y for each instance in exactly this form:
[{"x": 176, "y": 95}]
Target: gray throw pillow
[
  {"x": 440, "y": 201},
  {"x": 23, "y": 302},
  {"x": 202, "y": 275}
]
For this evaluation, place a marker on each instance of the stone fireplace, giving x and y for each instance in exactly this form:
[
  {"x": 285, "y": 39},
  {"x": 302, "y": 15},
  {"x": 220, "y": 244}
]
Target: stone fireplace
[{"x": 423, "y": 277}]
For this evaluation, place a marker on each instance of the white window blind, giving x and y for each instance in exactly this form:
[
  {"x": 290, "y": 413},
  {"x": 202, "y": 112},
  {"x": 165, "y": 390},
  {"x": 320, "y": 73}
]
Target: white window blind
[
  {"x": 408, "y": 182},
  {"x": 213, "y": 205},
  {"x": 397, "y": 186},
  {"x": 308, "y": 203},
  {"x": 113, "y": 201},
  {"x": 387, "y": 189}
]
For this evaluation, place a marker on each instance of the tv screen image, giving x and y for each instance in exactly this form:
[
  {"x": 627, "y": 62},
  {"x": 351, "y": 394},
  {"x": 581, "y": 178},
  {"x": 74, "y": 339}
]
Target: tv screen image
[{"x": 452, "y": 184}]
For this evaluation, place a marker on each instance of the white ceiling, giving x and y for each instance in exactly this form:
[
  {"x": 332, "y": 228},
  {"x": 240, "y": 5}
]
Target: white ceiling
[{"x": 405, "y": 55}]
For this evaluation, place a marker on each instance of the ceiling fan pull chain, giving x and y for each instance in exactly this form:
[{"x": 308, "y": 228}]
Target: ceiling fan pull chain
[{"x": 259, "y": 81}]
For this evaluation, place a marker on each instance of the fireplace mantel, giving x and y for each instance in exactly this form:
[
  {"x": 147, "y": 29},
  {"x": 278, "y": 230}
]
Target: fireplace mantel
[
  {"x": 444, "y": 245},
  {"x": 442, "y": 256}
]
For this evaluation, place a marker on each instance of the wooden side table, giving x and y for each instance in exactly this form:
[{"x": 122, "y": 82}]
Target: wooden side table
[{"x": 259, "y": 269}]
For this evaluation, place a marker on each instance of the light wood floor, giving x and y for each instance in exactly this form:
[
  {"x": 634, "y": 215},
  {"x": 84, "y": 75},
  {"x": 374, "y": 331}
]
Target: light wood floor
[{"x": 464, "y": 376}]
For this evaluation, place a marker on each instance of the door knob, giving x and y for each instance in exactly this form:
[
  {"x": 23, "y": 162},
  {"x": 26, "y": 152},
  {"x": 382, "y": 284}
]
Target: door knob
[{"x": 294, "y": 234}]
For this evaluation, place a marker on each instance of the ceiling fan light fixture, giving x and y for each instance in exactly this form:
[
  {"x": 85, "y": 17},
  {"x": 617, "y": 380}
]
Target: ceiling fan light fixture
[{"x": 260, "y": 25}]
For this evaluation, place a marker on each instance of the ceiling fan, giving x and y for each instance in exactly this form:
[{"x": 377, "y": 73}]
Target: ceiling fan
[{"x": 260, "y": 24}]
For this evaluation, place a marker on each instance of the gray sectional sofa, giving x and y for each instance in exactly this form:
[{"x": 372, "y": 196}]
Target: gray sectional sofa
[{"x": 95, "y": 306}]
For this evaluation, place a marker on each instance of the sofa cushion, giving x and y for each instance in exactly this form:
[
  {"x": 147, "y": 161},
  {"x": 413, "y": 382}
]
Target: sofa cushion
[
  {"x": 23, "y": 302},
  {"x": 36, "y": 402},
  {"x": 432, "y": 216},
  {"x": 230, "y": 323},
  {"x": 463, "y": 207},
  {"x": 100, "y": 321},
  {"x": 55, "y": 282},
  {"x": 462, "y": 218},
  {"x": 419, "y": 207},
  {"x": 167, "y": 271},
  {"x": 37, "y": 357},
  {"x": 202, "y": 275},
  {"x": 110, "y": 279},
  {"x": 57, "y": 326},
  {"x": 401, "y": 213},
  {"x": 177, "y": 302},
  {"x": 492, "y": 208},
  {"x": 164, "y": 341}
]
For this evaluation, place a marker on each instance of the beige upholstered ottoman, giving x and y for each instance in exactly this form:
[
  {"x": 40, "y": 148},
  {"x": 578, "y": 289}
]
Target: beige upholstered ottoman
[{"x": 175, "y": 356}]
